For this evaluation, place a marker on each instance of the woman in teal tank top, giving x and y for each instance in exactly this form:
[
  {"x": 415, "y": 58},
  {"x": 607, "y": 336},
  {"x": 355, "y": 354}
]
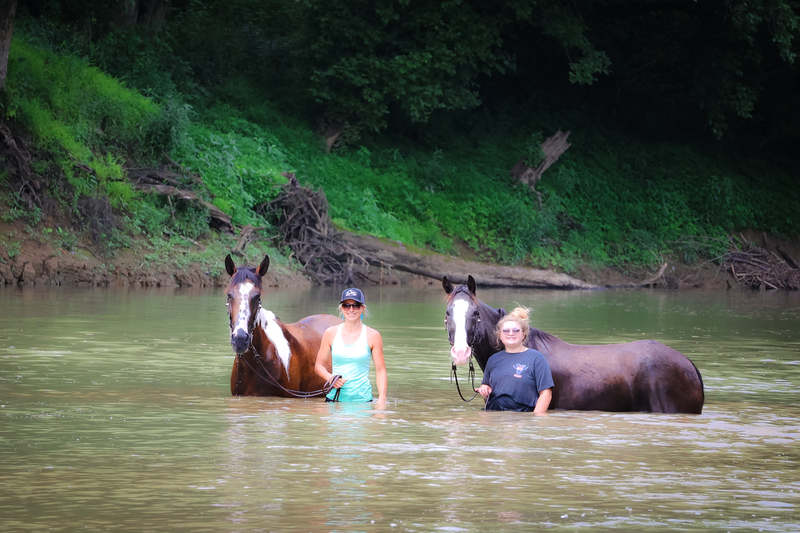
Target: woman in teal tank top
[{"x": 348, "y": 347}]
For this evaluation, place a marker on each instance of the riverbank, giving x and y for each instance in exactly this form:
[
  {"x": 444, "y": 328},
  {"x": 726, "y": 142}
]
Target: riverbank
[{"x": 41, "y": 257}]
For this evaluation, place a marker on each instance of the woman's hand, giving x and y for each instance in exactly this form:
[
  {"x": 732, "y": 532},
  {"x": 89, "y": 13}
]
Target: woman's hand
[
  {"x": 339, "y": 383},
  {"x": 484, "y": 390}
]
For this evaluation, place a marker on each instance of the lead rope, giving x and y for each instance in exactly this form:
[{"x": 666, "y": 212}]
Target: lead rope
[
  {"x": 471, "y": 374},
  {"x": 274, "y": 382}
]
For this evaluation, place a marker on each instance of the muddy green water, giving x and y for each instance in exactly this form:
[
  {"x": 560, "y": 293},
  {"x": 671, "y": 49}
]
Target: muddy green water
[{"x": 116, "y": 414}]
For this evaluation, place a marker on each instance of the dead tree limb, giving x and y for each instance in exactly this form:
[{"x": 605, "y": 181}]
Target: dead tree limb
[{"x": 553, "y": 147}]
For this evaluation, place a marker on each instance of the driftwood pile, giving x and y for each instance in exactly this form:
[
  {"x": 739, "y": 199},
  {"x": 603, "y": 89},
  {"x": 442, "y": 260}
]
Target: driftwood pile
[
  {"x": 301, "y": 215},
  {"x": 758, "y": 268}
]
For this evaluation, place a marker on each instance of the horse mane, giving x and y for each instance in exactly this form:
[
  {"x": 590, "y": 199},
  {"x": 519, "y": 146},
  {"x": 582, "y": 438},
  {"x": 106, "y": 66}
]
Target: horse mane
[
  {"x": 246, "y": 274},
  {"x": 540, "y": 339}
]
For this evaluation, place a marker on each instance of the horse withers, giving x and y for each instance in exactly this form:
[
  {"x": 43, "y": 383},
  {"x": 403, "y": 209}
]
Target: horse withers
[
  {"x": 642, "y": 375},
  {"x": 272, "y": 358}
]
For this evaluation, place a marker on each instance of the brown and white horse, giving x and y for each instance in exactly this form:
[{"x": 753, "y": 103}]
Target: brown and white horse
[
  {"x": 642, "y": 375},
  {"x": 272, "y": 358}
]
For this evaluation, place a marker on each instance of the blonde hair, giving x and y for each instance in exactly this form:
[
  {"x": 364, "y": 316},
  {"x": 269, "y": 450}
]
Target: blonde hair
[{"x": 520, "y": 316}]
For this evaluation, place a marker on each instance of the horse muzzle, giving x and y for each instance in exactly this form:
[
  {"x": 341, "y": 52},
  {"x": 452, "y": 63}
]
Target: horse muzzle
[
  {"x": 240, "y": 341},
  {"x": 460, "y": 355}
]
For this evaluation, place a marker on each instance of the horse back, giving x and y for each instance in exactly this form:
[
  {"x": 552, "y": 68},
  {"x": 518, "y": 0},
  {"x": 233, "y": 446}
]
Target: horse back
[
  {"x": 642, "y": 375},
  {"x": 312, "y": 324}
]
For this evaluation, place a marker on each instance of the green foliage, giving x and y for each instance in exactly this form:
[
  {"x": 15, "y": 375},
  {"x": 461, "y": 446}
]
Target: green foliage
[
  {"x": 11, "y": 245},
  {"x": 18, "y": 209},
  {"x": 64, "y": 239},
  {"x": 363, "y": 59}
]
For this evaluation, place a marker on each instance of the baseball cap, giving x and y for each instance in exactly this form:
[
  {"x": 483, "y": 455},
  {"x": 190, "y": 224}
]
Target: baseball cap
[{"x": 353, "y": 294}]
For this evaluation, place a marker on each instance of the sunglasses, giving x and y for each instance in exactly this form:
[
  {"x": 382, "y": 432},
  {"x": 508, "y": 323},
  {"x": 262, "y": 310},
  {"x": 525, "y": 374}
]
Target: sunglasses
[
  {"x": 348, "y": 306},
  {"x": 507, "y": 331}
]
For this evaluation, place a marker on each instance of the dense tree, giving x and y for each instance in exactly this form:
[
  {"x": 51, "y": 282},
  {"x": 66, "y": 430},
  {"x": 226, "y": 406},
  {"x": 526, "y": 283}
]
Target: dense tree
[{"x": 723, "y": 66}]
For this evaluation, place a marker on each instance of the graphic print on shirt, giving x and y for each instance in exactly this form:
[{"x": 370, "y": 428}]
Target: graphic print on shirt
[{"x": 519, "y": 369}]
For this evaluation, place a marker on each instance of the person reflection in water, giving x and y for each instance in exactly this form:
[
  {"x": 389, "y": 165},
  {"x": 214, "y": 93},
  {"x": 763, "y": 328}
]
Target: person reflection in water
[
  {"x": 350, "y": 346},
  {"x": 517, "y": 378}
]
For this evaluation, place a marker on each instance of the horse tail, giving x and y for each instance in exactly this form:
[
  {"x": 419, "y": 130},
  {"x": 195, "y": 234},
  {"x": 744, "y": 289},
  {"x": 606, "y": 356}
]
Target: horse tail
[{"x": 702, "y": 386}]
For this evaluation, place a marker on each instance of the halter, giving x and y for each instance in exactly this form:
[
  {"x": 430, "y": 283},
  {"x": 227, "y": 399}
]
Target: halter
[{"x": 471, "y": 372}]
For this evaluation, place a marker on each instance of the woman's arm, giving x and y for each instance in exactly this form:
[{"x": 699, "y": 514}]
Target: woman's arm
[
  {"x": 324, "y": 357},
  {"x": 543, "y": 402},
  {"x": 376, "y": 345}
]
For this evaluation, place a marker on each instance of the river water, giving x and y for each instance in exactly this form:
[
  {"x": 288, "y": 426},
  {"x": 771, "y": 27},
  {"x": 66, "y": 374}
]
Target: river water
[{"x": 116, "y": 414}]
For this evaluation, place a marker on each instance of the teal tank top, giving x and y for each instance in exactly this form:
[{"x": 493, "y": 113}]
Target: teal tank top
[{"x": 352, "y": 363}]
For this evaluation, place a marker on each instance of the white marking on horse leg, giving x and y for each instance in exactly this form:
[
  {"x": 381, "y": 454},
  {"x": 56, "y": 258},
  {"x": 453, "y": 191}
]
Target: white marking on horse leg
[
  {"x": 244, "y": 309},
  {"x": 269, "y": 323},
  {"x": 460, "y": 351}
]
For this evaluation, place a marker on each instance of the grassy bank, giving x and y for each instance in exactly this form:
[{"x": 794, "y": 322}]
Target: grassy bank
[{"x": 610, "y": 200}]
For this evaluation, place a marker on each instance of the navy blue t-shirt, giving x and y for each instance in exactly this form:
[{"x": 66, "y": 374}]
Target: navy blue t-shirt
[{"x": 516, "y": 380}]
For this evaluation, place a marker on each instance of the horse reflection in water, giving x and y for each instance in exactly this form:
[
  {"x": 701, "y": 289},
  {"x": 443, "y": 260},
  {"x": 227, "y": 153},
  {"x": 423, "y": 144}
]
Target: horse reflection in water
[
  {"x": 635, "y": 376},
  {"x": 272, "y": 358}
]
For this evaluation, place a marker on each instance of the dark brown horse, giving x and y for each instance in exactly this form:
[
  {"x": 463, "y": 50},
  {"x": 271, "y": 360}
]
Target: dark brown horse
[
  {"x": 272, "y": 358},
  {"x": 635, "y": 376}
]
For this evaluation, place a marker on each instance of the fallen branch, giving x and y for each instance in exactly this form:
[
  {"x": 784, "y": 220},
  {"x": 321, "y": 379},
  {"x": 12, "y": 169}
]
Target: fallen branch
[{"x": 649, "y": 282}]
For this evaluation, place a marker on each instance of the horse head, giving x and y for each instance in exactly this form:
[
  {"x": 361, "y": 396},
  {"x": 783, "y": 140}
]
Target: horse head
[
  {"x": 244, "y": 301},
  {"x": 462, "y": 319}
]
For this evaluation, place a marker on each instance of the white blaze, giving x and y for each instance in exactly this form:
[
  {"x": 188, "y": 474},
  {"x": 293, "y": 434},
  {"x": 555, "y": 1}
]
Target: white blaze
[
  {"x": 460, "y": 308},
  {"x": 268, "y": 322},
  {"x": 244, "y": 310}
]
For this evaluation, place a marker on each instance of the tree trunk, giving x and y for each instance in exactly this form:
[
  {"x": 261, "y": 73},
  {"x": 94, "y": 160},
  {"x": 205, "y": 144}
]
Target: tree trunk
[
  {"x": 154, "y": 16},
  {"x": 390, "y": 254},
  {"x": 128, "y": 13},
  {"x": 8, "y": 11}
]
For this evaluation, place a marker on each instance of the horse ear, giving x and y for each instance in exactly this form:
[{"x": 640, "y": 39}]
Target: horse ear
[
  {"x": 446, "y": 285},
  {"x": 263, "y": 267},
  {"x": 471, "y": 285},
  {"x": 230, "y": 268}
]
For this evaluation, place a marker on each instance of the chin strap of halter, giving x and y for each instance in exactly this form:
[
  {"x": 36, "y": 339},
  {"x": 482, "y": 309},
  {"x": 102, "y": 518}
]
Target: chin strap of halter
[{"x": 471, "y": 373}]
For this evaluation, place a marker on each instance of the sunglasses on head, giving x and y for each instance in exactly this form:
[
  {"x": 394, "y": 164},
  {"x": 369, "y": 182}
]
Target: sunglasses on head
[
  {"x": 515, "y": 330},
  {"x": 348, "y": 306}
]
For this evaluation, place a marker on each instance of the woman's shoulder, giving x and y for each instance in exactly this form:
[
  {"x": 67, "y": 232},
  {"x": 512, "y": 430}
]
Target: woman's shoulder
[
  {"x": 534, "y": 352},
  {"x": 331, "y": 330},
  {"x": 372, "y": 333}
]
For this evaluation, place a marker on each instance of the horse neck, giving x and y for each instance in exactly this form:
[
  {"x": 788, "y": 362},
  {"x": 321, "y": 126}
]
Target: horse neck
[
  {"x": 485, "y": 339},
  {"x": 273, "y": 355}
]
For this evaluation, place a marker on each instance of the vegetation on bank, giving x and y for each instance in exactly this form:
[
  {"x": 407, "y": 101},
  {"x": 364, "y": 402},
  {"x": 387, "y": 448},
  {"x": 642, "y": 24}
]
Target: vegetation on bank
[{"x": 93, "y": 110}]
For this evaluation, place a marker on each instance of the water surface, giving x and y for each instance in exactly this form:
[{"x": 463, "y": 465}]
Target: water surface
[{"x": 115, "y": 413}]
